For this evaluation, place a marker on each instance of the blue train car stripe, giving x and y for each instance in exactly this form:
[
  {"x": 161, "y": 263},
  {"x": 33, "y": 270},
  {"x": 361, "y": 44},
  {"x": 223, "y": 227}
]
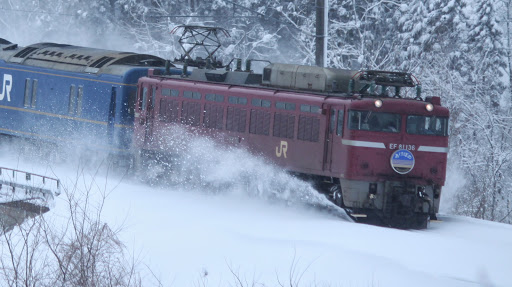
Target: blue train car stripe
[
  {"x": 62, "y": 116},
  {"x": 103, "y": 147},
  {"x": 28, "y": 134}
]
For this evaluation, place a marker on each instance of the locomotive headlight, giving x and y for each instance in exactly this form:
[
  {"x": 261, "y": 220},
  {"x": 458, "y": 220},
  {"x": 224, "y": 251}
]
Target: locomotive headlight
[
  {"x": 429, "y": 107},
  {"x": 378, "y": 103}
]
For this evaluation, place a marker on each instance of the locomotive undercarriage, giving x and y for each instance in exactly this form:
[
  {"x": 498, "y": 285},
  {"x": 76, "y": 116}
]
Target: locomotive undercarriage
[
  {"x": 153, "y": 167},
  {"x": 398, "y": 204}
]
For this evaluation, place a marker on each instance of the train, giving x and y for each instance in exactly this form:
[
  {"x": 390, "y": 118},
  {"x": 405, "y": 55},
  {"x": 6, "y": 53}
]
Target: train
[
  {"x": 71, "y": 95},
  {"x": 360, "y": 136}
]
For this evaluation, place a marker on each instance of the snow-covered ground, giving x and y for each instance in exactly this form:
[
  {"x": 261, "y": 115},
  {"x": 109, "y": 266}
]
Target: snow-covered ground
[
  {"x": 180, "y": 234},
  {"x": 199, "y": 235}
]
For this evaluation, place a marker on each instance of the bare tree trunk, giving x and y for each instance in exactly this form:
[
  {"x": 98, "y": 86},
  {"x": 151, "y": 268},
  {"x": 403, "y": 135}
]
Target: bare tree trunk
[{"x": 508, "y": 3}]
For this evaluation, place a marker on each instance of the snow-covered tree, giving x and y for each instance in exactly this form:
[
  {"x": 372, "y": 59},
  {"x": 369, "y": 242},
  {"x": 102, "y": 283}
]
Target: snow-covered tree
[
  {"x": 483, "y": 126},
  {"x": 486, "y": 54},
  {"x": 363, "y": 34},
  {"x": 91, "y": 23},
  {"x": 253, "y": 34},
  {"x": 486, "y": 158},
  {"x": 415, "y": 33}
]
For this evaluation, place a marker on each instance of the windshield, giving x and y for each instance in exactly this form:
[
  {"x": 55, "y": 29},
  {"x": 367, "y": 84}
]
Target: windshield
[
  {"x": 374, "y": 121},
  {"x": 422, "y": 125}
]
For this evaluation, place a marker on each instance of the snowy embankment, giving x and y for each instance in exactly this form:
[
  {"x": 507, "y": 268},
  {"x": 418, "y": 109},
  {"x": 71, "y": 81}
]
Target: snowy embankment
[
  {"x": 212, "y": 234},
  {"x": 182, "y": 234}
]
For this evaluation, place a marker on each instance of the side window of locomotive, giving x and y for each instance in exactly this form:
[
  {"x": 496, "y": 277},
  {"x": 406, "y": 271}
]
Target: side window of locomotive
[
  {"x": 144, "y": 98},
  {"x": 339, "y": 130},
  {"x": 192, "y": 95},
  {"x": 422, "y": 125},
  {"x": 310, "y": 109},
  {"x": 261, "y": 103},
  {"x": 285, "y": 106},
  {"x": 153, "y": 97},
  {"x": 214, "y": 98},
  {"x": 332, "y": 121},
  {"x": 374, "y": 121},
  {"x": 170, "y": 92},
  {"x": 237, "y": 100}
]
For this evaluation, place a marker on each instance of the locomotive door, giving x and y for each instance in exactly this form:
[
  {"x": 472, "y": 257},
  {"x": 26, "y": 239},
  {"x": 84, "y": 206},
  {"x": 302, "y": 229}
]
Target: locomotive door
[
  {"x": 147, "y": 110},
  {"x": 333, "y": 138},
  {"x": 112, "y": 115}
]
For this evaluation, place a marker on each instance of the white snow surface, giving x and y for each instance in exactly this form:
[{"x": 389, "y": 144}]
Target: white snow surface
[{"x": 184, "y": 232}]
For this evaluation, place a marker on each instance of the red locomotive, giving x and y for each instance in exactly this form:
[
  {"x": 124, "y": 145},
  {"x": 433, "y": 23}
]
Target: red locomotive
[{"x": 371, "y": 150}]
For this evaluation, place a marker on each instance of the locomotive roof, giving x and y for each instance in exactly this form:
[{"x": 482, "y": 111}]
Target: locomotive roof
[
  {"x": 75, "y": 58},
  {"x": 309, "y": 79},
  {"x": 250, "y": 79},
  {"x": 240, "y": 79}
]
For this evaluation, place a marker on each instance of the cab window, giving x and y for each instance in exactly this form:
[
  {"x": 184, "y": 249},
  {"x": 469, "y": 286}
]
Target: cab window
[
  {"x": 374, "y": 121},
  {"x": 424, "y": 125}
]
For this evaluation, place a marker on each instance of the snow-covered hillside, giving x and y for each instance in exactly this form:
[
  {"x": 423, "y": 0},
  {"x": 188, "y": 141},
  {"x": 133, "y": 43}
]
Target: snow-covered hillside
[
  {"x": 216, "y": 233},
  {"x": 182, "y": 234}
]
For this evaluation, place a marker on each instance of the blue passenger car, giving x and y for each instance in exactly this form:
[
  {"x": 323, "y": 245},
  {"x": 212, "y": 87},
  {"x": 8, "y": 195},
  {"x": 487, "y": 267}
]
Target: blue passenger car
[{"x": 71, "y": 95}]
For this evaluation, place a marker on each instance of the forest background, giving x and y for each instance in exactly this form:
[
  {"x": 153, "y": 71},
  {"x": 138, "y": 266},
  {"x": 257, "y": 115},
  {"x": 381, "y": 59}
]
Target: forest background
[{"x": 459, "y": 49}]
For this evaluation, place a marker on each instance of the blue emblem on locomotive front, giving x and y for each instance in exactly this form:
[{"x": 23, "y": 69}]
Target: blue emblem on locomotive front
[{"x": 402, "y": 161}]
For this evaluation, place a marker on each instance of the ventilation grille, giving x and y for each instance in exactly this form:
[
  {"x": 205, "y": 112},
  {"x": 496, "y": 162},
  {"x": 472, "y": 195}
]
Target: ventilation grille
[
  {"x": 25, "y": 52},
  {"x": 101, "y": 62},
  {"x": 4, "y": 41}
]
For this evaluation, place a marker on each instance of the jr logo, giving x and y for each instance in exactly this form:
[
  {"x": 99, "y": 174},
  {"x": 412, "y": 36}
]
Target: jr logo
[
  {"x": 281, "y": 150},
  {"x": 6, "y": 87}
]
